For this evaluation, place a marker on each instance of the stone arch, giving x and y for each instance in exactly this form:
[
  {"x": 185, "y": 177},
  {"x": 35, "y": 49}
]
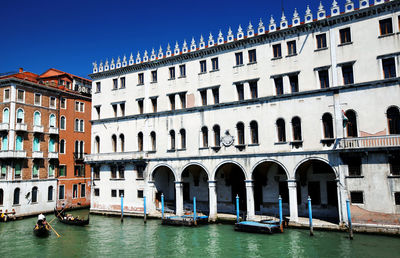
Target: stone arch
[
  {"x": 164, "y": 177},
  {"x": 197, "y": 164},
  {"x": 315, "y": 158},
  {"x": 212, "y": 178},
  {"x": 269, "y": 160},
  {"x": 151, "y": 174}
]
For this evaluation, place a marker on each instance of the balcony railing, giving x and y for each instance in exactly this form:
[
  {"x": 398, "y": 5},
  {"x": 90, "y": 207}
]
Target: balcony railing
[
  {"x": 369, "y": 142},
  {"x": 12, "y": 154},
  {"x": 79, "y": 156},
  {"x": 37, "y": 154},
  {"x": 53, "y": 130},
  {"x": 21, "y": 127},
  {"x": 38, "y": 128},
  {"x": 52, "y": 155},
  {"x": 115, "y": 156},
  {"x": 4, "y": 126}
]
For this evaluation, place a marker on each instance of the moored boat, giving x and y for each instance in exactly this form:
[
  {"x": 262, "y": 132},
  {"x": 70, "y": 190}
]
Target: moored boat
[{"x": 70, "y": 220}]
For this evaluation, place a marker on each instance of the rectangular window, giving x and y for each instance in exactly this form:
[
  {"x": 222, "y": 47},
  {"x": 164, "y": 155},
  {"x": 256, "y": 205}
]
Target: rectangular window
[
  {"x": 172, "y": 101},
  {"x": 385, "y": 26},
  {"x": 389, "y": 68},
  {"x": 182, "y": 97},
  {"x": 122, "y": 81},
  {"x": 98, "y": 87},
  {"x": 239, "y": 58},
  {"x": 82, "y": 107},
  {"x": 17, "y": 172},
  {"x": 172, "y": 73},
  {"x": 294, "y": 83},
  {"x": 3, "y": 171},
  {"x": 77, "y": 106},
  {"x": 113, "y": 172},
  {"x": 279, "y": 85},
  {"x": 6, "y": 94},
  {"x": 140, "y": 106},
  {"x": 62, "y": 170},
  {"x": 394, "y": 163},
  {"x": 140, "y": 193},
  {"x": 121, "y": 193},
  {"x": 61, "y": 189},
  {"x": 154, "y": 104},
  {"x": 321, "y": 41},
  {"x": 115, "y": 84},
  {"x": 52, "y": 102},
  {"x": 203, "y": 66},
  {"x": 113, "y": 193},
  {"x": 203, "y": 95},
  {"x": 347, "y": 72},
  {"x": 397, "y": 198},
  {"x": 153, "y": 76},
  {"x": 98, "y": 111},
  {"x": 323, "y": 79},
  {"x": 74, "y": 191},
  {"x": 121, "y": 172},
  {"x": 96, "y": 173},
  {"x": 35, "y": 170},
  {"x": 253, "y": 90},
  {"x": 122, "y": 108},
  {"x": 140, "y": 170},
  {"x": 277, "y": 50},
  {"x": 182, "y": 70},
  {"x": 252, "y": 56},
  {"x": 63, "y": 103},
  {"x": 240, "y": 91},
  {"x": 357, "y": 197},
  {"x": 96, "y": 192},
  {"x": 79, "y": 170},
  {"x": 38, "y": 99},
  {"x": 215, "y": 93},
  {"x": 354, "y": 166},
  {"x": 115, "y": 109},
  {"x": 83, "y": 190},
  {"x": 140, "y": 79},
  {"x": 291, "y": 46},
  {"x": 214, "y": 63},
  {"x": 345, "y": 36},
  {"x": 21, "y": 96}
]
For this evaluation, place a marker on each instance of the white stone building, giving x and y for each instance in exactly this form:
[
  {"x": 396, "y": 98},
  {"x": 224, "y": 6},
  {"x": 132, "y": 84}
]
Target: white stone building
[{"x": 306, "y": 107}]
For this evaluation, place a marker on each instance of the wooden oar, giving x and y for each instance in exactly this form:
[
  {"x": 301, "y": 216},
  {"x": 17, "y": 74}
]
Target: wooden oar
[
  {"x": 53, "y": 229},
  {"x": 52, "y": 220}
]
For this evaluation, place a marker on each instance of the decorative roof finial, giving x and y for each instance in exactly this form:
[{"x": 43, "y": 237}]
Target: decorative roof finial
[
  {"x": 184, "y": 43},
  {"x": 220, "y": 39},
  {"x": 261, "y": 27},
  {"x": 272, "y": 24}
]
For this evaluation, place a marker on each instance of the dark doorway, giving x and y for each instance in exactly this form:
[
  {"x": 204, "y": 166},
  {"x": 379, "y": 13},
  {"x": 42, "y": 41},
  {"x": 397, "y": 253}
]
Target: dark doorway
[
  {"x": 331, "y": 188},
  {"x": 314, "y": 192},
  {"x": 186, "y": 192}
]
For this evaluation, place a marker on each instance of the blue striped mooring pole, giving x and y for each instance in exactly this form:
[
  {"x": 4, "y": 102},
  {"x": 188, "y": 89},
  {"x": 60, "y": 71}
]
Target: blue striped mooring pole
[
  {"x": 310, "y": 216},
  {"x": 280, "y": 214},
  {"x": 122, "y": 208},
  {"x": 144, "y": 209},
  {"x": 194, "y": 211},
  {"x": 162, "y": 206},
  {"x": 349, "y": 219},
  {"x": 237, "y": 208}
]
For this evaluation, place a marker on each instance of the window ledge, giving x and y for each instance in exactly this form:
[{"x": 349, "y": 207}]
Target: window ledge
[
  {"x": 236, "y": 66},
  {"x": 280, "y": 143},
  {"x": 171, "y": 150},
  {"x": 117, "y": 179},
  {"x": 386, "y": 35},
  {"x": 140, "y": 179},
  {"x": 216, "y": 148},
  {"x": 153, "y": 151},
  {"x": 296, "y": 144},
  {"x": 121, "y": 88},
  {"x": 153, "y": 82},
  {"x": 253, "y": 144},
  {"x": 327, "y": 141},
  {"x": 181, "y": 149},
  {"x": 276, "y": 58},
  {"x": 345, "y": 44},
  {"x": 320, "y": 49},
  {"x": 252, "y": 63},
  {"x": 171, "y": 79},
  {"x": 180, "y": 77},
  {"x": 213, "y": 71},
  {"x": 96, "y": 179},
  {"x": 201, "y": 73},
  {"x": 140, "y": 84},
  {"x": 113, "y": 89},
  {"x": 354, "y": 176},
  {"x": 240, "y": 146},
  {"x": 295, "y": 54},
  {"x": 393, "y": 176},
  {"x": 204, "y": 148}
]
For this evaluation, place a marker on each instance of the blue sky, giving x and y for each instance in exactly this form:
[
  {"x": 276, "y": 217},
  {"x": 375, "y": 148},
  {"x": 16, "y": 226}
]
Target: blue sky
[{"x": 70, "y": 35}]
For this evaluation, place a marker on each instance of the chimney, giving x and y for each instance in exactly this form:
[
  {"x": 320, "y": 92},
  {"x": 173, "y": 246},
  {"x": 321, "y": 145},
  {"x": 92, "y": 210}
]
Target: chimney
[{"x": 21, "y": 70}]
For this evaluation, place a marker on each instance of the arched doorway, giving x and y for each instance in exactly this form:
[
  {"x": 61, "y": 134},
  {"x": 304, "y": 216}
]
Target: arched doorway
[
  {"x": 317, "y": 179},
  {"x": 195, "y": 184},
  {"x": 164, "y": 182},
  {"x": 270, "y": 182},
  {"x": 230, "y": 183}
]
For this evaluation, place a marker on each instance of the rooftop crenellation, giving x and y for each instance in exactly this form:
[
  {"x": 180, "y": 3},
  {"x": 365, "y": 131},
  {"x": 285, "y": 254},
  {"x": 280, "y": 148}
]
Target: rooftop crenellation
[{"x": 230, "y": 37}]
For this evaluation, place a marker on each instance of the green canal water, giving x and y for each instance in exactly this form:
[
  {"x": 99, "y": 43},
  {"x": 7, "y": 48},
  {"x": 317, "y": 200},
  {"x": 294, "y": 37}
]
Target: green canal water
[{"x": 107, "y": 237}]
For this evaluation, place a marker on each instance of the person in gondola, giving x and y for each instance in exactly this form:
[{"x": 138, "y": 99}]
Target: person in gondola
[{"x": 41, "y": 222}]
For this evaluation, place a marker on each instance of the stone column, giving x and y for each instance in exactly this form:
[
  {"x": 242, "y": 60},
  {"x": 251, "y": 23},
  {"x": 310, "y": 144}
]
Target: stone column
[
  {"x": 179, "y": 198},
  {"x": 150, "y": 194},
  {"x": 250, "y": 199},
  {"x": 292, "y": 185},
  {"x": 246, "y": 90},
  {"x": 212, "y": 188}
]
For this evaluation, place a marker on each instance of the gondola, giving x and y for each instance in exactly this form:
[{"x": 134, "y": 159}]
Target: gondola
[
  {"x": 71, "y": 221},
  {"x": 41, "y": 231}
]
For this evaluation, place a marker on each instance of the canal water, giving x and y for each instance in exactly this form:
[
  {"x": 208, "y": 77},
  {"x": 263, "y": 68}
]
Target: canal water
[{"x": 107, "y": 237}]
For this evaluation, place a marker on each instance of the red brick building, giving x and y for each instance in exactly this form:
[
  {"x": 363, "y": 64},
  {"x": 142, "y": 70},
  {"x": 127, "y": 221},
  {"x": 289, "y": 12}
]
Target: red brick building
[{"x": 44, "y": 131}]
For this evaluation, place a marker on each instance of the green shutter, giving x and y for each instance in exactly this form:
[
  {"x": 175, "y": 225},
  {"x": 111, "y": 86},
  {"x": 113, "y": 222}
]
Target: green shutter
[
  {"x": 51, "y": 170},
  {"x": 3, "y": 170},
  {"x": 17, "y": 170},
  {"x": 35, "y": 170}
]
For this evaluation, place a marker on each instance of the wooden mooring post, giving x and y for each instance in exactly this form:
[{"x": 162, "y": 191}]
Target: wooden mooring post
[
  {"x": 310, "y": 216},
  {"x": 349, "y": 220}
]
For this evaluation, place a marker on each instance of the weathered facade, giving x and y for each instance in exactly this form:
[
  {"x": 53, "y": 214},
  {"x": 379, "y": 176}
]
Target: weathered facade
[{"x": 310, "y": 109}]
